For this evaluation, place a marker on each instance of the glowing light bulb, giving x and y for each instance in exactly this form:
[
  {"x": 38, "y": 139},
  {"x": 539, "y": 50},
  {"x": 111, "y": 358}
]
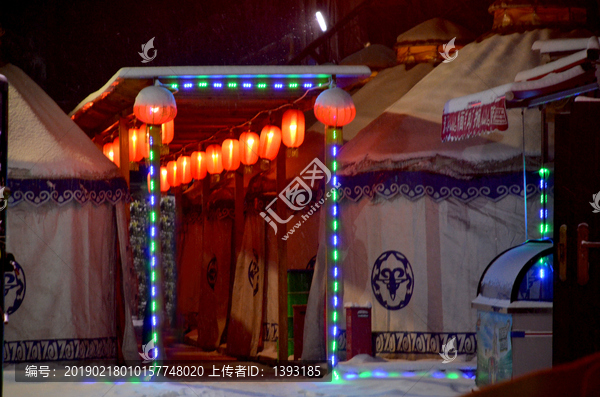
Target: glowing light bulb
[{"x": 321, "y": 21}]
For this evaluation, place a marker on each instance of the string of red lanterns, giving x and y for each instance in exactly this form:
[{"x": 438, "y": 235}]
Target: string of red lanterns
[{"x": 247, "y": 150}]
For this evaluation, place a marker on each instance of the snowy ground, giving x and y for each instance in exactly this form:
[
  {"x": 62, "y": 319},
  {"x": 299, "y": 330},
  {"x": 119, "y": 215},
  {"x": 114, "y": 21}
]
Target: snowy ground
[{"x": 361, "y": 376}]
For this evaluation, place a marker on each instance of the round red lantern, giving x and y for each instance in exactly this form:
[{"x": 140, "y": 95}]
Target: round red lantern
[
  {"x": 168, "y": 132},
  {"x": 155, "y": 105},
  {"x": 249, "y": 148},
  {"x": 164, "y": 184},
  {"x": 107, "y": 149},
  {"x": 334, "y": 107},
  {"x": 198, "y": 168},
  {"x": 116, "y": 152},
  {"x": 292, "y": 128},
  {"x": 214, "y": 165},
  {"x": 173, "y": 174},
  {"x": 270, "y": 139},
  {"x": 184, "y": 169},
  {"x": 231, "y": 154}
]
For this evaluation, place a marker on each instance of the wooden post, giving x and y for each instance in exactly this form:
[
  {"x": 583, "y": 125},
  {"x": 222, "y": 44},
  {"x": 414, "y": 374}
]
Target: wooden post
[
  {"x": 124, "y": 148},
  {"x": 282, "y": 259}
]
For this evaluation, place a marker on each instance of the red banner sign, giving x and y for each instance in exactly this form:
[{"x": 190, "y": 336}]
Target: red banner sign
[{"x": 477, "y": 119}]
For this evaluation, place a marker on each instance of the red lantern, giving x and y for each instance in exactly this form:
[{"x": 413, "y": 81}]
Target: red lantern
[
  {"x": 198, "y": 165},
  {"x": 107, "y": 149},
  {"x": 135, "y": 145},
  {"x": 173, "y": 174},
  {"x": 249, "y": 148},
  {"x": 231, "y": 154},
  {"x": 334, "y": 107},
  {"x": 116, "y": 152},
  {"x": 270, "y": 139},
  {"x": 168, "y": 132},
  {"x": 292, "y": 128},
  {"x": 164, "y": 183},
  {"x": 155, "y": 105},
  {"x": 184, "y": 168},
  {"x": 214, "y": 165}
]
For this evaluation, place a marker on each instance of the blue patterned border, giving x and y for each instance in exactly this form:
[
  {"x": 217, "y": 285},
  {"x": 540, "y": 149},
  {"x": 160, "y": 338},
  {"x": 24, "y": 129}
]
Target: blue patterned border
[
  {"x": 418, "y": 342},
  {"x": 62, "y": 191},
  {"x": 59, "y": 349},
  {"x": 414, "y": 185}
]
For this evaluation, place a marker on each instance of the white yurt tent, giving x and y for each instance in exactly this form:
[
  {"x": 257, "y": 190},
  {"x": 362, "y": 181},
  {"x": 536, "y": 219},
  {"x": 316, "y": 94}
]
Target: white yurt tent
[
  {"x": 421, "y": 44},
  {"x": 66, "y": 220},
  {"x": 421, "y": 219}
]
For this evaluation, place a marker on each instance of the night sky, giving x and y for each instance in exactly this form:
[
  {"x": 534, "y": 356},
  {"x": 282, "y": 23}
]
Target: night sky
[{"x": 72, "y": 48}]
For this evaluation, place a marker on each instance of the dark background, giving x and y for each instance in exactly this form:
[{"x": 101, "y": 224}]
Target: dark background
[{"x": 72, "y": 48}]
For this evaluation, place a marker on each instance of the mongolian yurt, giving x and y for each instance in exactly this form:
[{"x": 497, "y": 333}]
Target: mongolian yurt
[
  {"x": 67, "y": 229},
  {"x": 421, "y": 218},
  {"x": 416, "y": 55}
]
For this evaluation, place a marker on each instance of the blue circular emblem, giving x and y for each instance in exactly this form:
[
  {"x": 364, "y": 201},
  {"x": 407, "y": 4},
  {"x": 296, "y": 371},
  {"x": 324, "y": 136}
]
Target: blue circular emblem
[
  {"x": 392, "y": 280},
  {"x": 14, "y": 288}
]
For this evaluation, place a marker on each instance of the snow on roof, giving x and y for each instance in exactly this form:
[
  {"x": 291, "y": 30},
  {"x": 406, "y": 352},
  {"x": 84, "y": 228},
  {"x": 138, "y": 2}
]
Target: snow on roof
[
  {"x": 376, "y": 56},
  {"x": 43, "y": 141},
  {"x": 343, "y": 73},
  {"x": 378, "y": 94},
  {"x": 409, "y": 132},
  {"x": 436, "y": 30}
]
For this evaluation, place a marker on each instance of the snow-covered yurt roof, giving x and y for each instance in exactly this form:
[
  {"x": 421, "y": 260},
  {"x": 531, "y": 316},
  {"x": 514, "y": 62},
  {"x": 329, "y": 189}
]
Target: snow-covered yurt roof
[
  {"x": 43, "y": 141},
  {"x": 391, "y": 84},
  {"x": 408, "y": 134},
  {"x": 435, "y": 30}
]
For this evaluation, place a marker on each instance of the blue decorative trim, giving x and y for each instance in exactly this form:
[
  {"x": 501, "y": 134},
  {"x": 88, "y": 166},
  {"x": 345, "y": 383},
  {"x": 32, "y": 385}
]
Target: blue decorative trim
[
  {"x": 62, "y": 191},
  {"x": 415, "y": 185},
  {"x": 59, "y": 349},
  {"x": 418, "y": 342}
]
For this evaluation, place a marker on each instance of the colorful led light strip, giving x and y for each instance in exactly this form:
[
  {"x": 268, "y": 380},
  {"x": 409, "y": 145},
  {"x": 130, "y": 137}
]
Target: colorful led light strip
[
  {"x": 245, "y": 84},
  {"x": 333, "y": 140},
  {"x": 154, "y": 238},
  {"x": 544, "y": 224}
]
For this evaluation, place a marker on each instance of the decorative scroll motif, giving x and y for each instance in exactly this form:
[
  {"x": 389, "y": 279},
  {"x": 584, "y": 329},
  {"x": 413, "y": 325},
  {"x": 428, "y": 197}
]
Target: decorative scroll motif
[
  {"x": 59, "y": 349},
  {"x": 423, "y": 342},
  {"x": 418, "y": 342},
  {"x": 63, "y": 191},
  {"x": 415, "y": 185}
]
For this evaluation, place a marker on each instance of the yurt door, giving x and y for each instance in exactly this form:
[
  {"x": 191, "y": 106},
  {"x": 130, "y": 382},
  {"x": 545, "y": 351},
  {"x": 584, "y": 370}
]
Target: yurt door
[{"x": 576, "y": 316}]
